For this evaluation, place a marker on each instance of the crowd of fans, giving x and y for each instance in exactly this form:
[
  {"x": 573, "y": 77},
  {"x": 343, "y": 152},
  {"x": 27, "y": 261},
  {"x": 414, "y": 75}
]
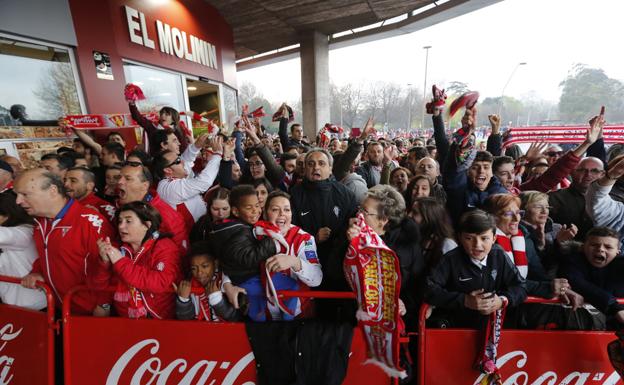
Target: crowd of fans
[{"x": 240, "y": 217}]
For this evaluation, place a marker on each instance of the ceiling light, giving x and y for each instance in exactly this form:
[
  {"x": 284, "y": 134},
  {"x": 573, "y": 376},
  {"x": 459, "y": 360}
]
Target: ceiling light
[{"x": 191, "y": 88}]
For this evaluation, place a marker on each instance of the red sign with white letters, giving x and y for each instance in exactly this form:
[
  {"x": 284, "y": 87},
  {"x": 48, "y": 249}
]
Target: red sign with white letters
[
  {"x": 115, "y": 351},
  {"x": 23, "y": 346},
  {"x": 525, "y": 357}
]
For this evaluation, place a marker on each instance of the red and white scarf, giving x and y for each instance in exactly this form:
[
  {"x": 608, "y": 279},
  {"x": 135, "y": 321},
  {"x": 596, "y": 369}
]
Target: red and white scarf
[
  {"x": 125, "y": 293},
  {"x": 486, "y": 360},
  {"x": 372, "y": 270},
  {"x": 515, "y": 248},
  {"x": 264, "y": 228},
  {"x": 205, "y": 312}
]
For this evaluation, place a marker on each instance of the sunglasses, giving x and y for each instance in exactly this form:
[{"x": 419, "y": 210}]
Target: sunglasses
[
  {"x": 512, "y": 214},
  {"x": 554, "y": 153},
  {"x": 131, "y": 164},
  {"x": 177, "y": 161}
]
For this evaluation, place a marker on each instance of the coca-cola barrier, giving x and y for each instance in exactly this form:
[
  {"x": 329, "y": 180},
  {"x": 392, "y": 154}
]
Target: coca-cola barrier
[
  {"x": 115, "y": 351},
  {"x": 27, "y": 342},
  {"x": 525, "y": 357}
]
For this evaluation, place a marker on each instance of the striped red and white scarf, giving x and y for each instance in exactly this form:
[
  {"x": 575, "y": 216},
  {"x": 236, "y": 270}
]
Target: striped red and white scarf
[{"x": 515, "y": 248}]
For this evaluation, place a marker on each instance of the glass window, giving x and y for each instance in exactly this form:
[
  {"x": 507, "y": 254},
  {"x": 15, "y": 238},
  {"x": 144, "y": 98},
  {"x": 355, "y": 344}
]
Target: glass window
[
  {"x": 38, "y": 77},
  {"x": 161, "y": 88},
  {"x": 230, "y": 105}
]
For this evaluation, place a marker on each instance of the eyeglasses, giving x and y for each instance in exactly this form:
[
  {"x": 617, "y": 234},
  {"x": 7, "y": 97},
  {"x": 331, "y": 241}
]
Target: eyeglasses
[
  {"x": 131, "y": 164},
  {"x": 177, "y": 160},
  {"x": 554, "y": 153},
  {"x": 363, "y": 211},
  {"x": 512, "y": 214},
  {"x": 541, "y": 207},
  {"x": 255, "y": 164},
  {"x": 593, "y": 171}
]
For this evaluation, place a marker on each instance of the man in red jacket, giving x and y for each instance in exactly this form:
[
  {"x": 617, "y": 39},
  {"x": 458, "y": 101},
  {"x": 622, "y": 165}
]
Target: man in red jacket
[
  {"x": 65, "y": 235},
  {"x": 134, "y": 185},
  {"x": 79, "y": 183}
]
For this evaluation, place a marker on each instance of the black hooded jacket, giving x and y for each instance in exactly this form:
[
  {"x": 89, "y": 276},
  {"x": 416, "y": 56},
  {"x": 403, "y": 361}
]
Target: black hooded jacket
[{"x": 238, "y": 251}]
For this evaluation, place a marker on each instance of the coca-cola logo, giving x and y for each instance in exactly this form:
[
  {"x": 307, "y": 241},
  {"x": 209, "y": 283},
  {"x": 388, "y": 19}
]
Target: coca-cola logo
[
  {"x": 154, "y": 371},
  {"x": 521, "y": 377},
  {"x": 7, "y": 333}
]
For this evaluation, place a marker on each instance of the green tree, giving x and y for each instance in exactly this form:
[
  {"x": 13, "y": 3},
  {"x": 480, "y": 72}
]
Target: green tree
[{"x": 586, "y": 89}]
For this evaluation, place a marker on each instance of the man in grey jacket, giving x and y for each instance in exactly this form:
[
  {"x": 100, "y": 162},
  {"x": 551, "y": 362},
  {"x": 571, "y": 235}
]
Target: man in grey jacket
[{"x": 600, "y": 206}]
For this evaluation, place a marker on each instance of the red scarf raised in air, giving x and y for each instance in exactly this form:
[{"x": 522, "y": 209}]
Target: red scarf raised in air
[{"x": 372, "y": 270}]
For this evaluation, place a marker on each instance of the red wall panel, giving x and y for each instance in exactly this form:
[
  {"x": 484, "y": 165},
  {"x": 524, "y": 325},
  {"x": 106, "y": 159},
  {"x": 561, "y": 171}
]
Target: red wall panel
[{"x": 102, "y": 26}]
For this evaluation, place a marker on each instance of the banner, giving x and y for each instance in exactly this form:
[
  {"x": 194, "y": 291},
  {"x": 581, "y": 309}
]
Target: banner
[
  {"x": 105, "y": 121},
  {"x": 116, "y": 351},
  {"x": 372, "y": 271},
  {"x": 23, "y": 346},
  {"x": 525, "y": 357},
  {"x": 559, "y": 134}
]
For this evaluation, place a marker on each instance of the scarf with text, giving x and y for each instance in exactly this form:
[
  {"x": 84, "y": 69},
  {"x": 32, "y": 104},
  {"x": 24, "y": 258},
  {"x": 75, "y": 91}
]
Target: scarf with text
[{"x": 372, "y": 270}]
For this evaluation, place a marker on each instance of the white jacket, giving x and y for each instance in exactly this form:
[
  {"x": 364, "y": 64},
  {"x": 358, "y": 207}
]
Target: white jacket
[
  {"x": 189, "y": 190},
  {"x": 16, "y": 259}
]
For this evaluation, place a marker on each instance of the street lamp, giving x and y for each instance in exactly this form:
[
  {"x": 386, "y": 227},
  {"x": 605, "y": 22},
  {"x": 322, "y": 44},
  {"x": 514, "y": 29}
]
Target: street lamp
[
  {"x": 409, "y": 107},
  {"x": 422, "y": 120},
  {"x": 500, "y": 103}
]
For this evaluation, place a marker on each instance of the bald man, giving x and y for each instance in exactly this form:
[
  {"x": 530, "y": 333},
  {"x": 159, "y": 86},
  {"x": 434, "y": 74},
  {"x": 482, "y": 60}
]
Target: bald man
[{"x": 65, "y": 236}]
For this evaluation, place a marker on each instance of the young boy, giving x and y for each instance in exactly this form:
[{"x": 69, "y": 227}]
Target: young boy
[
  {"x": 210, "y": 305},
  {"x": 233, "y": 242},
  {"x": 596, "y": 273},
  {"x": 476, "y": 278}
]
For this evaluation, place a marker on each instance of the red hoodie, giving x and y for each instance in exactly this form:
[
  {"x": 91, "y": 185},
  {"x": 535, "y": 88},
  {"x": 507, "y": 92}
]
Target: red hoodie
[
  {"x": 145, "y": 279},
  {"x": 69, "y": 255}
]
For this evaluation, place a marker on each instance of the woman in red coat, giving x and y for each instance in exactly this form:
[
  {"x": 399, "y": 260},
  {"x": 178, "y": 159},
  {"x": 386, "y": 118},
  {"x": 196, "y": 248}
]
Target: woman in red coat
[{"x": 145, "y": 267}]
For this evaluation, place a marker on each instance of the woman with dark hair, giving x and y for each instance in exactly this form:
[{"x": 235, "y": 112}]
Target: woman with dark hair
[
  {"x": 419, "y": 187},
  {"x": 146, "y": 266},
  {"x": 218, "y": 204},
  {"x": 17, "y": 253},
  {"x": 263, "y": 188},
  {"x": 435, "y": 229},
  {"x": 399, "y": 178},
  {"x": 168, "y": 118}
]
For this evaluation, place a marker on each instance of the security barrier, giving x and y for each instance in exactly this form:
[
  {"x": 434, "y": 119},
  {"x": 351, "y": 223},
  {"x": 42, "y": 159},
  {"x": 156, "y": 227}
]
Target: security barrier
[
  {"x": 125, "y": 351},
  {"x": 27, "y": 342},
  {"x": 525, "y": 357}
]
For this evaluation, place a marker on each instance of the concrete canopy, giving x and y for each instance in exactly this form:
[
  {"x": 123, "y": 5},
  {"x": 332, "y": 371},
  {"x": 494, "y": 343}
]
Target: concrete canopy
[{"x": 263, "y": 26}]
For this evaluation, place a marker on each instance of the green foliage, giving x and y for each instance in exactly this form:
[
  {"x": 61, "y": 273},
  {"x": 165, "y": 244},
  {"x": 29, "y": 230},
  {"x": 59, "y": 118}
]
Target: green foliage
[{"x": 586, "y": 89}]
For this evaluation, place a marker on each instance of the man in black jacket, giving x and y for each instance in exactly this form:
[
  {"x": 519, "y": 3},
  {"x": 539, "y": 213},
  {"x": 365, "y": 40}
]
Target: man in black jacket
[
  {"x": 296, "y": 132},
  {"x": 596, "y": 273},
  {"x": 323, "y": 206},
  {"x": 476, "y": 278},
  {"x": 371, "y": 169}
]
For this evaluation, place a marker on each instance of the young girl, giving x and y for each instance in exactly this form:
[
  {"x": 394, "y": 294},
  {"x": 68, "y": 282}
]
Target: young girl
[
  {"x": 210, "y": 305},
  {"x": 296, "y": 267}
]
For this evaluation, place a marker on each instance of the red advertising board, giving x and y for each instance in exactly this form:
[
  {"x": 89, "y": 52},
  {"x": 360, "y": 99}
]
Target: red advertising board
[
  {"x": 115, "y": 351},
  {"x": 524, "y": 357},
  {"x": 24, "y": 347}
]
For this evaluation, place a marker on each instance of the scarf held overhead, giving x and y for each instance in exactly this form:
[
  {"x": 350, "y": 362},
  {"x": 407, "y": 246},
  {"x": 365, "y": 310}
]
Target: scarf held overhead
[{"x": 372, "y": 271}]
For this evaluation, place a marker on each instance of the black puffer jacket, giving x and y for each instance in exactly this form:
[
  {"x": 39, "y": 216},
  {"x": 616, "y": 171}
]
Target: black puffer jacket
[
  {"x": 404, "y": 240},
  {"x": 238, "y": 251}
]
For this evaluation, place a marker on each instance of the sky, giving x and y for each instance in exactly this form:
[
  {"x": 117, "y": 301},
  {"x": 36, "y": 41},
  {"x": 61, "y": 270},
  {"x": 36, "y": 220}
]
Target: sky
[{"x": 551, "y": 36}]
